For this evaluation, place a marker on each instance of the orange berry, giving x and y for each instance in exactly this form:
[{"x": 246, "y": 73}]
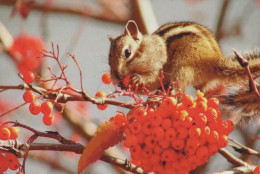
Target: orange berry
[
  {"x": 147, "y": 127},
  {"x": 257, "y": 170},
  {"x": 126, "y": 80},
  {"x": 106, "y": 78},
  {"x": 200, "y": 120},
  {"x": 170, "y": 134},
  {"x": 187, "y": 101},
  {"x": 120, "y": 119},
  {"x": 199, "y": 93},
  {"x": 222, "y": 141},
  {"x": 46, "y": 108},
  {"x": 187, "y": 122},
  {"x": 211, "y": 113},
  {"x": 202, "y": 152},
  {"x": 48, "y": 119},
  {"x": 178, "y": 144},
  {"x": 158, "y": 133},
  {"x": 28, "y": 96},
  {"x": 35, "y": 108},
  {"x": 164, "y": 143},
  {"x": 182, "y": 132},
  {"x": 4, "y": 164},
  {"x": 194, "y": 132},
  {"x": 168, "y": 155},
  {"x": 212, "y": 148},
  {"x": 14, "y": 132},
  {"x": 201, "y": 106},
  {"x": 28, "y": 77},
  {"x": 102, "y": 107},
  {"x": 130, "y": 141},
  {"x": 230, "y": 126},
  {"x": 150, "y": 141},
  {"x": 183, "y": 115},
  {"x": 135, "y": 152},
  {"x": 4, "y": 133},
  {"x": 166, "y": 123},
  {"x": 101, "y": 94},
  {"x": 147, "y": 152},
  {"x": 157, "y": 149},
  {"x": 140, "y": 138},
  {"x": 156, "y": 120},
  {"x": 213, "y": 137},
  {"x": 135, "y": 127},
  {"x": 140, "y": 114},
  {"x": 213, "y": 102},
  {"x": 13, "y": 161}
]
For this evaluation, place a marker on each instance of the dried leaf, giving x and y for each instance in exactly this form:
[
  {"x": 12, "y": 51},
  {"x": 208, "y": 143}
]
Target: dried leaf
[{"x": 107, "y": 135}]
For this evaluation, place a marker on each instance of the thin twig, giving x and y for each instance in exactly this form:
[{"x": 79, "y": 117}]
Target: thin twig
[
  {"x": 244, "y": 63},
  {"x": 243, "y": 149}
]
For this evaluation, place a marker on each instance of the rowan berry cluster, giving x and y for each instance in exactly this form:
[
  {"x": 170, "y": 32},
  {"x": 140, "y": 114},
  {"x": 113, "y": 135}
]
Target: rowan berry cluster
[
  {"x": 8, "y": 160},
  {"x": 25, "y": 50},
  {"x": 37, "y": 108},
  {"x": 176, "y": 138}
]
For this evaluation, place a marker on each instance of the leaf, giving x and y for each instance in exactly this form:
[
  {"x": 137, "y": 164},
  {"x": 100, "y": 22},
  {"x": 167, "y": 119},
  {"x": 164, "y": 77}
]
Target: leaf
[{"x": 107, "y": 135}]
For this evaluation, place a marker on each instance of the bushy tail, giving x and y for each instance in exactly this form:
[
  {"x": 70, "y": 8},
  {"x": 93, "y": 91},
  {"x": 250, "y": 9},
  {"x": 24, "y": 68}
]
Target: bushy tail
[
  {"x": 237, "y": 95},
  {"x": 242, "y": 99}
]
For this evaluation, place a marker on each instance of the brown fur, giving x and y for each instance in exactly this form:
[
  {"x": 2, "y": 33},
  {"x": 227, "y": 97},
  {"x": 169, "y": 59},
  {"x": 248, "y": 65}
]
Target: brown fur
[{"x": 185, "y": 51}]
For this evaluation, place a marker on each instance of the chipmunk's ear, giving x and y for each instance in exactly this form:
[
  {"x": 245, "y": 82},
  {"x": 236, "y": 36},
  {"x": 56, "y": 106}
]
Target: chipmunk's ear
[
  {"x": 110, "y": 38},
  {"x": 132, "y": 30}
]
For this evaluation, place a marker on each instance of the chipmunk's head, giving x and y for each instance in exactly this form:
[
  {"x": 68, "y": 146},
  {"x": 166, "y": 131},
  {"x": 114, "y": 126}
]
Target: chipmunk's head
[{"x": 123, "y": 52}]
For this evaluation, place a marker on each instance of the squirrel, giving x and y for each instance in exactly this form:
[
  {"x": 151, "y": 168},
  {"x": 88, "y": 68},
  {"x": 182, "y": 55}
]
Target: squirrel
[{"x": 186, "y": 52}]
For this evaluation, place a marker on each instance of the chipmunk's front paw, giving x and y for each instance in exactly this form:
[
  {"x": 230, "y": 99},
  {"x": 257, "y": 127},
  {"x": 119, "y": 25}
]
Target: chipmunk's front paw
[{"x": 136, "y": 79}]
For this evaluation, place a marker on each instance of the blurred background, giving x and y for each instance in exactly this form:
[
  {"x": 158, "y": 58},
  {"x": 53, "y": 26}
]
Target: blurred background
[{"x": 81, "y": 27}]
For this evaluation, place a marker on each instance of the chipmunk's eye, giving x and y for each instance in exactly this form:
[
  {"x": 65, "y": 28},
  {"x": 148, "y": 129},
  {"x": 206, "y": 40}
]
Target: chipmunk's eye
[{"x": 127, "y": 53}]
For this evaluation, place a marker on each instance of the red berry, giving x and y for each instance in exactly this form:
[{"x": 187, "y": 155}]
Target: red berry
[
  {"x": 28, "y": 77},
  {"x": 4, "y": 133},
  {"x": 101, "y": 94},
  {"x": 13, "y": 161},
  {"x": 120, "y": 119},
  {"x": 223, "y": 141},
  {"x": 200, "y": 120},
  {"x": 48, "y": 119},
  {"x": 102, "y": 107},
  {"x": 194, "y": 132},
  {"x": 35, "y": 108},
  {"x": 187, "y": 101},
  {"x": 150, "y": 141},
  {"x": 170, "y": 134},
  {"x": 126, "y": 80},
  {"x": 106, "y": 78},
  {"x": 135, "y": 127},
  {"x": 130, "y": 141},
  {"x": 213, "y": 137},
  {"x": 178, "y": 144},
  {"x": 201, "y": 106},
  {"x": 4, "y": 164},
  {"x": 158, "y": 133},
  {"x": 28, "y": 96},
  {"x": 166, "y": 123},
  {"x": 14, "y": 132},
  {"x": 140, "y": 114},
  {"x": 213, "y": 102},
  {"x": 257, "y": 170},
  {"x": 46, "y": 108}
]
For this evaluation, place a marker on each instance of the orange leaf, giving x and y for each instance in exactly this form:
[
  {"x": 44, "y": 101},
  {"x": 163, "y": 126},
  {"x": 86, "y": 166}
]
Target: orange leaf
[{"x": 107, "y": 135}]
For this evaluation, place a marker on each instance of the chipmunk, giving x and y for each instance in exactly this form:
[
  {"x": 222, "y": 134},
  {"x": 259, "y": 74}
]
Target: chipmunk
[{"x": 184, "y": 51}]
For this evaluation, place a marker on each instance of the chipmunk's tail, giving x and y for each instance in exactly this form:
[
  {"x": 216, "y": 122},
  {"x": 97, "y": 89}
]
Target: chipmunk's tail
[
  {"x": 242, "y": 99},
  {"x": 238, "y": 95}
]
